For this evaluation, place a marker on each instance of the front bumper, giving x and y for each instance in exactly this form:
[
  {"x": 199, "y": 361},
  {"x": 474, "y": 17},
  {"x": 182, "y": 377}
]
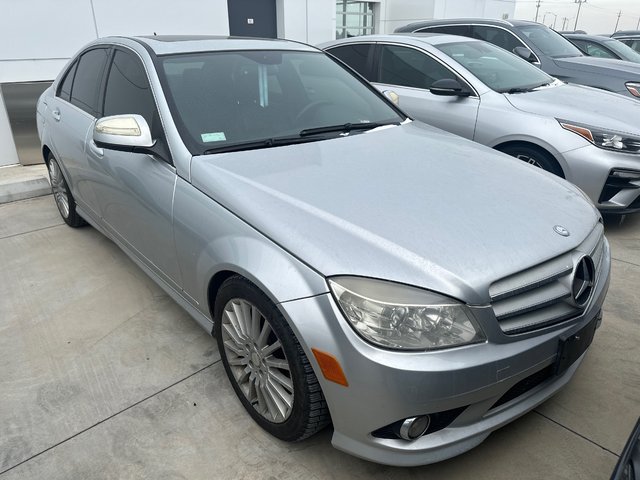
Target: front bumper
[
  {"x": 388, "y": 386},
  {"x": 590, "y": 168}
]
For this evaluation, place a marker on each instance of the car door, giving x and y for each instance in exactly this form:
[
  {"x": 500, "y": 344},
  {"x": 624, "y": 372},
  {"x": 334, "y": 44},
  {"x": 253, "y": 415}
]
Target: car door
[
  {"x": 73, "y": 111},
  {"x": 136, "y": 190},
  {"x": 410, "y": 72}
]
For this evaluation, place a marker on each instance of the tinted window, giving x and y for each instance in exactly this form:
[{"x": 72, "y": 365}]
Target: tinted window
[
  {"x": 497, "y": 36},
  {"x": 463, "y": 30},
  {"x": 410, "y": 68},
  {"x": 498, "y": 69},
  {"x": 549, "y": 42},
  {"x": 65, "y": 87},
  {"x": 220, "y": 99},
  {"x": 86, "y": 84},
  {"x": 595, "y": 50},
  {"x": 356, "y": 56},
  {"x": 128, "y": 89}
]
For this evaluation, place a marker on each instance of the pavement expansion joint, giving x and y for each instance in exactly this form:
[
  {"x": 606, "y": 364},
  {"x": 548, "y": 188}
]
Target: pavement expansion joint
[
  {"x": 577, "y": 433},
  {"x": 148, "y": 397}
]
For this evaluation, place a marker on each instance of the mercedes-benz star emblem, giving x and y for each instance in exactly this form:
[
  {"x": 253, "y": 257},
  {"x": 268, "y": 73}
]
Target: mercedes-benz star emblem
[
  {"x": 560, "y": 230},
  {"x": 583, "y": 280}
]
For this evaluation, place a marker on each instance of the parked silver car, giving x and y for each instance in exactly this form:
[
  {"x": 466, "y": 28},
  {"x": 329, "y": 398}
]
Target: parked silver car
[
  {"x": 484, "y": 93},
  {"x": 415, "y": 288}
]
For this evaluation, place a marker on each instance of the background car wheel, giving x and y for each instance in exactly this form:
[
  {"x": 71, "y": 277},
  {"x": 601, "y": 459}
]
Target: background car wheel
[
  {"x": 534, "y": 156},
  {"x": 265, "y": 363},
  {"x": 62, "y": 195}
]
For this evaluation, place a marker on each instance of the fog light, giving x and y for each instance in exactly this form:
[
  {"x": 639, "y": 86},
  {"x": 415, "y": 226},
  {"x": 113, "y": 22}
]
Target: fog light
[{"x": 414, "y": 427}]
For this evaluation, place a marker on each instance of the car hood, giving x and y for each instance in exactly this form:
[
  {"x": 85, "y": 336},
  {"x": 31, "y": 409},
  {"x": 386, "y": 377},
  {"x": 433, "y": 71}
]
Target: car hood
[
  {"x": 630, "y": 71},
  {"x": 585, "y": 105},
  {"x": 411, "y": 204}
]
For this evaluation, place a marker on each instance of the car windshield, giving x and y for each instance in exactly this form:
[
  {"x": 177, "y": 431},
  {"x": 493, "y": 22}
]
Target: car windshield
[
  {"x": 624, "y": 51},
  {"x": 498, "y": 69},
  {"x": 549, "y": 42},
  {"x": 235, "y": 100}
]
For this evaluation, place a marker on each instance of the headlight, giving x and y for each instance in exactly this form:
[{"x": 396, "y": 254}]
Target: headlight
[
  {"x": 634, "y": 88},
  {"x": 607, "y": 139},
  {"x": 400, "y": 317}
]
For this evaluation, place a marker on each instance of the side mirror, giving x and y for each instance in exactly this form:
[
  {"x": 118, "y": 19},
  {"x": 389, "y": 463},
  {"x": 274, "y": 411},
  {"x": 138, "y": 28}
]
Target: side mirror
[
  {"x": 393, "y": 96},
  {"x": 449, "y": 87},
  {"x": 524, "y": 52},
  {"x": 122, "y": 132},
  {"x": 628, "y": 467}
]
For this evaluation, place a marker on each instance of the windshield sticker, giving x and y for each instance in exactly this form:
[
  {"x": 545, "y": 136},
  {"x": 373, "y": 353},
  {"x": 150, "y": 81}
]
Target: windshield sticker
[{"x": 213, "y": 137}]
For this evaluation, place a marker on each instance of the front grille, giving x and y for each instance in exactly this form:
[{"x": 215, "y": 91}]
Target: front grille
[{"x": 541, "y": 295}]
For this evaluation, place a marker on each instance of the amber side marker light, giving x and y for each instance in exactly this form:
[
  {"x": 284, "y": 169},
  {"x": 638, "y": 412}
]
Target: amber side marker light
[{"x": 330, "y": 367}]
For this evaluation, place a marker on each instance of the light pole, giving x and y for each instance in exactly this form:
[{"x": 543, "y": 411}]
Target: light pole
[
  {"x": 617, "y": 21},
  {"x": 565, "y": 23},
  {"x": 555, "y": 17},
  {"x": 579, "y": 2},
  {"x": 537, "y": 8}
]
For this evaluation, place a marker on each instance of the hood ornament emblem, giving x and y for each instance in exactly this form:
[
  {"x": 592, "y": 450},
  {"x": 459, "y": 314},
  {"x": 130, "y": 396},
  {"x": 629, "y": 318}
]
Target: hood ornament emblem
[{"x": 560, "y": 230}]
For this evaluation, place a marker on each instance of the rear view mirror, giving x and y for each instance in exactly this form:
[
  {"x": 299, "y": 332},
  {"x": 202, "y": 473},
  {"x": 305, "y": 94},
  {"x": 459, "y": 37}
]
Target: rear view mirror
[
  {"x": 122, "y": 132},
  {"x": 393, "y": 96},
  {"x": 524, "y": 52},
  {"x": 449, "y": 87},
  {"x": 628, "y": 467}
]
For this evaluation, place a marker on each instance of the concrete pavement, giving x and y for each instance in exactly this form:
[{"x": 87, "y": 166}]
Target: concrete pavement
[{"x": 103, "y": 376}]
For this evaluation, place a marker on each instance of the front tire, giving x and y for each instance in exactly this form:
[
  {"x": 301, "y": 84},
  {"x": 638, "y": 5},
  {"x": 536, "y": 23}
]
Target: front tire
[
  {"x": 534, "y": 156},
  {"x": 265, "y": 363},
  {"x": 62, "y": 195}
]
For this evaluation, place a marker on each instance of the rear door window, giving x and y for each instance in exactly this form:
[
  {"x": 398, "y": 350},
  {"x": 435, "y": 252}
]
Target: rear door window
[
  {"x": 358, "y": 56},
  {"x": 88, "y": 80},
  {"x": 64, "y": 91}
]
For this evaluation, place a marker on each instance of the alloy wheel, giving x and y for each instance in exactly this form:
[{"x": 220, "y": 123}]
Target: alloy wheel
[
  {"x": 530, "y": 160},
  {"x": 59, "y": 188},
  {"x": 257, "y": 360}
]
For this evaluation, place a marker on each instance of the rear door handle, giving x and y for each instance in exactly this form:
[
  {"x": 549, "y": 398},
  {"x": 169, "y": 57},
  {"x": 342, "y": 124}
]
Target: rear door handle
[
  {"x": 95, "y": 149},
  {"x": 56, "y": 114}
]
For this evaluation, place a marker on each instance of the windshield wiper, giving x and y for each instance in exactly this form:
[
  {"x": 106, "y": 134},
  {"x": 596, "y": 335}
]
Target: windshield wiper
[
  {"x": 257, "y": 144},
  {"x": 345, "y": 127},
  {"x": 528, "y": 88}
]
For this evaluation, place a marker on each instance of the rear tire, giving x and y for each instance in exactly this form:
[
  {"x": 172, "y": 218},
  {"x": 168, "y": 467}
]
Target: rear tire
[
  {"x": 534, "y": 156},
  {"x": 265, "y": 363},
  {"x": 62, "y": 195}
]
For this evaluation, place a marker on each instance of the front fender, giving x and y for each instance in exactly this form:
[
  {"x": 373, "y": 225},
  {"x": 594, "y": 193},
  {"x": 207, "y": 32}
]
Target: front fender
[{"x": 211, "y": 239}]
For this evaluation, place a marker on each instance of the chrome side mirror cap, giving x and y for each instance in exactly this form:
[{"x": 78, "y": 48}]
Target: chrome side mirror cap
[
  {"x": 392, "y": 96},
  {"x": 122, "y": 132}
]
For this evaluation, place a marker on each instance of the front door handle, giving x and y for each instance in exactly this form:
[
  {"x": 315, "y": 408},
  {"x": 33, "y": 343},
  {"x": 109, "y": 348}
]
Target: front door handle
[
  {"x": 99, "y": 152},
  {"x": 56, "y": 114}
]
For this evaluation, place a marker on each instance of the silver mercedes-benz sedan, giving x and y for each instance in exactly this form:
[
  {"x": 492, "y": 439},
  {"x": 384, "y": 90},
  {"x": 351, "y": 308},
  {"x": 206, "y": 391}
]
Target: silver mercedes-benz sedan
[
  {"x": 414, "y": 288},
  {"x": 484, "y": 93}
]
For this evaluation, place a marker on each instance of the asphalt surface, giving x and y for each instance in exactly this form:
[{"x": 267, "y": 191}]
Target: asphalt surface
[{"x": 104, "y": 376}]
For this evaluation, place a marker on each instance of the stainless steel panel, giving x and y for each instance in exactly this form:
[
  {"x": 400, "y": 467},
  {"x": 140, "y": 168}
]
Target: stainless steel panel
[{"x": 20, "y": 101}]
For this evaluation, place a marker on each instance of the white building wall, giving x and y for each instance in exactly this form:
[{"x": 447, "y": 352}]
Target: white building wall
[
  {"x": 308, "y": 21},
  {"x": 474, "y": 8},
  {"x": 37, "y": 37},
  {"x": 397, "y": 13}
]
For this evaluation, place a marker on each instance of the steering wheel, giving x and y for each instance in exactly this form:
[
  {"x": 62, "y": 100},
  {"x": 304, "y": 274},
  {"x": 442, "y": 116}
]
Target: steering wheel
[{"x": 312, "y": 108}]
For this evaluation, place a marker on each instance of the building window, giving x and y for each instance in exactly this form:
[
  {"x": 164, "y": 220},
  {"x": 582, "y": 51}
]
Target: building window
[{"x": 354, "y": 18}]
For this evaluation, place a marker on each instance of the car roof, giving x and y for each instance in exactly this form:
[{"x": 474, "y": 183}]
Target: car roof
[
  {"x": 464, "y": 21},
  {"x": 635, "y": 33},
  {"x": 411, "y": 38},
  {"x": 172, "y": 44},
  {"x": 595, "y": 38}
]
